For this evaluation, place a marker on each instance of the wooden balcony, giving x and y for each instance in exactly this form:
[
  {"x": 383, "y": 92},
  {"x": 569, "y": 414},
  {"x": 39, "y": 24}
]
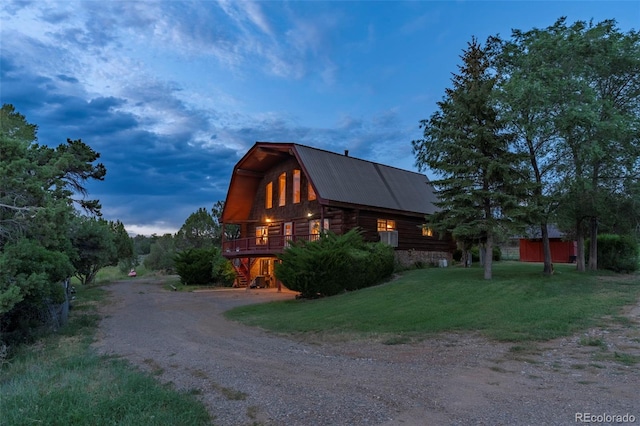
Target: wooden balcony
[{"x": 261, "y": 246}]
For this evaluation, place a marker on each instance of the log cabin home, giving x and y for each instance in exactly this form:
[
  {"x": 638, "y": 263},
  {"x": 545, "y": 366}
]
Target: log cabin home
[{"x": 283, "y": 192}]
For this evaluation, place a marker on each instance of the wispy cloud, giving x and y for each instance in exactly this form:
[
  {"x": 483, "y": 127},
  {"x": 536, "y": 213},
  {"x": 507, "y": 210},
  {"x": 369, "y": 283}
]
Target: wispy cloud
[{"x": 173, "y": 93}]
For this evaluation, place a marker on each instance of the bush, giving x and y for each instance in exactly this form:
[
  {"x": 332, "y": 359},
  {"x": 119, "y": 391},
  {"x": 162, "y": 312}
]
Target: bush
[
  {"x": 30, "y": 277},
  {"x": 457, "y": 255},
  {"x": 333, "y": 264},
  {"x": 223, "y": 272},
  {"x": 475, "y": 254},
  {"x": 617, "y": 253},
  {"x": 497, "y": 254},
  {"x": 204, "y": 266}
]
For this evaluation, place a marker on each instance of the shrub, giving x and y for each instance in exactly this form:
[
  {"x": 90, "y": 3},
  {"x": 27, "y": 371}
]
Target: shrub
[
  {"x": 617, "y": 253},
  {"x": 204, "y": 266},
  {"x": 223, "y": 272},
  {"x": 475, "y": 254},
  {"x": 497, "y": 254},
  {"x": 457, "y": 255},
  {"x": 30, "y": 277},
  {"x": 333, "y": 264}
]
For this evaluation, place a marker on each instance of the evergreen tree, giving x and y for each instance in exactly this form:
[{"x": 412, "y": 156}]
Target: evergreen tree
[
  {"x": 482, "y": 183},
  {"x": 94, "y": 241},
  {"x": 199, "y": 231}
]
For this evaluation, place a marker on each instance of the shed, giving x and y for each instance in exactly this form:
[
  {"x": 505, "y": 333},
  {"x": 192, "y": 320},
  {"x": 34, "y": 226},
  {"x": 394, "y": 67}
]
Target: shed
[{"x": 563, "y": 250}]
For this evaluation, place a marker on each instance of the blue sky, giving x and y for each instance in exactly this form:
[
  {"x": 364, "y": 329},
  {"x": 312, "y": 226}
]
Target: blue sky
[{"x": 173, "y": 93}]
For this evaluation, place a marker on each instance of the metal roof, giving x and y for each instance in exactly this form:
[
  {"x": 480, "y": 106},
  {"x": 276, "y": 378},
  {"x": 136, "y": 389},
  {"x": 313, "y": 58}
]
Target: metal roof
[
  {"x": 336, "y": 178},
  {"x": 345, "y": 179}
]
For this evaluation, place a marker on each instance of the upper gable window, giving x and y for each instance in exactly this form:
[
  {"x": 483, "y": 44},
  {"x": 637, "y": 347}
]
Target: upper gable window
[
  {"x": 386, "y": 225},
  {"x": 311, "y": 194},
  {"x": 282, "y": 182},
  {"x": 268, "y": 196},
  {"x": 296, "y": 186}
]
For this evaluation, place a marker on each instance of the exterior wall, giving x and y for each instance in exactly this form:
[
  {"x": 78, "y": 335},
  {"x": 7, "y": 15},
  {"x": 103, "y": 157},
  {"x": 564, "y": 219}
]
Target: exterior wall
[
  {"x": 561, "y": 251},
  {"x": 290, "y": 210},
  {"x": 297, "y": 213},
  {"x": 264, "y": 273},
  {"x": 409, "y": 232},
  {"x": 408, "y": 258}
]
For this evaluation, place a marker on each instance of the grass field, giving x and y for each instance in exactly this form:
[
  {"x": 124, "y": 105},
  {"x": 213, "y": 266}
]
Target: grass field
[
  {"x": 60, "y": 381},
  {"x": 519, "y": 304}
]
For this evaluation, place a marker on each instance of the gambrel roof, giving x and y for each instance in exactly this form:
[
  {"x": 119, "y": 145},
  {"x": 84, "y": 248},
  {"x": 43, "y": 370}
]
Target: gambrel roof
[{"x": 337, "y": 180}]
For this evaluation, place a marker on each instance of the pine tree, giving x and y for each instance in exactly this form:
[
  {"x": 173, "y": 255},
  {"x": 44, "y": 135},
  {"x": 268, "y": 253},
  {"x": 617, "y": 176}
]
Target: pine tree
[{"x": 482, "y": 182}]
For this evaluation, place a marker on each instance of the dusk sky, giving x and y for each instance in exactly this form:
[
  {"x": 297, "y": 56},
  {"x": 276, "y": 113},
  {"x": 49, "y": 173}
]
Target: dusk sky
[{"x": 173, "y": 94}]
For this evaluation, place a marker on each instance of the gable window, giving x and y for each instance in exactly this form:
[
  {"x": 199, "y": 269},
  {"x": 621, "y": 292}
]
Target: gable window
[
  {"x": 282, "y": 186},
  {"x": 386, "y": 225},
  {"x": 268, "y": 196},
  {"x": 314, "y": 229},
  {"x": 427, "y": 232},
  {"x": 311, "y": 194},
  {"x": 262, "y": 235},
  {"x": 296, "y": 186}
]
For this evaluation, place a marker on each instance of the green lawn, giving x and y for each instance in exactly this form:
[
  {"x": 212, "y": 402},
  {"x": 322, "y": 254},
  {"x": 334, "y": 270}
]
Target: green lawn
[
  {"x": 519, "y": 304},
  {"x": 60, "y": 381}
]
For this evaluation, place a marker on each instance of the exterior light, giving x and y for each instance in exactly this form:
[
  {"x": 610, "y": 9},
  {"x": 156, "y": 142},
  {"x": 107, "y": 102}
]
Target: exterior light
[
  {"x": 309, "y": 214},
  {"x": 268, "y": 220}
]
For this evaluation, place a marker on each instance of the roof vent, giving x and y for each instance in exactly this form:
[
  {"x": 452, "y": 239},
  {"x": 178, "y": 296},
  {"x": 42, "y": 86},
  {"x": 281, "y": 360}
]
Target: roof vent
[{"x": 346, "y": 152}]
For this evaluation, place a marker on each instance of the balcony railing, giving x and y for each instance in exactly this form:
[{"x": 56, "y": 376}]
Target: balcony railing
[{"x": 265, "y": 245}]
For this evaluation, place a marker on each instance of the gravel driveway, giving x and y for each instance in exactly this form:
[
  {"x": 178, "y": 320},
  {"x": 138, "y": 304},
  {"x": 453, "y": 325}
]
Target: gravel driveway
[{"x": 248, "y": 376}]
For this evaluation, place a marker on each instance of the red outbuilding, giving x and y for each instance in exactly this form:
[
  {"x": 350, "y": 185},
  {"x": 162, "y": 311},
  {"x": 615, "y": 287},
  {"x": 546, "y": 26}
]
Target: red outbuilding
[{"x": 562, "y": 249}]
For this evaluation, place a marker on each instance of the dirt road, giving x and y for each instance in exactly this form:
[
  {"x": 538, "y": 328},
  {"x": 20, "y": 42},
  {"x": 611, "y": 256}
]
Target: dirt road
[{"x": 248, "y": 376}]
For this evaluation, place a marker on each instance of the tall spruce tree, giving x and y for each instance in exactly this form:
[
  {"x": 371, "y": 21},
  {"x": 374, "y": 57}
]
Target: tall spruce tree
[{"x": 481, "y": 181}]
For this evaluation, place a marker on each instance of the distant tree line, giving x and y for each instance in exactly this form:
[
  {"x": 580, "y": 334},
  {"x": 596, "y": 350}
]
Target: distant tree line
[
  {"x": 193, "y": 252},
  {"x": 538, "y": 128}
]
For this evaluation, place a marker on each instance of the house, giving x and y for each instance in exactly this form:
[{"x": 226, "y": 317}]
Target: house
[
  {"x": 283, "y": 192},
  {"x": 562, "y": 250}
]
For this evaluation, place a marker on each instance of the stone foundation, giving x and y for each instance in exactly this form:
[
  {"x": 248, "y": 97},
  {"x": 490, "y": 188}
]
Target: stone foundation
[{"x": 409, "y": 258}]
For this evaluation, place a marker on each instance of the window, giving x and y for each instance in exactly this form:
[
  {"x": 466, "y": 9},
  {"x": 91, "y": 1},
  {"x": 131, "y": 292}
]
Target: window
[
  {"x": 387, "y": 231},
  {"x": 269, "y": 196},
  {"x": 311, "y": 193},
  {"x": 386, "y": 225},
  {"x": 314, "y": 229},
  {"x": 296, "y": 186},
  {"x": 282, "y": 183},
  {"x": 265, "y": 267},
  {"x": 262, "y": 235},
  {"x": 288, "y": 233},
  {"x": 427, "y": 232}
]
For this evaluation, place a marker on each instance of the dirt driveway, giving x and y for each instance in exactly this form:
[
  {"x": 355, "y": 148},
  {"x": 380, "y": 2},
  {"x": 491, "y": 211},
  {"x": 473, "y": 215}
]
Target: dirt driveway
[{"x": 248, "y": 376}]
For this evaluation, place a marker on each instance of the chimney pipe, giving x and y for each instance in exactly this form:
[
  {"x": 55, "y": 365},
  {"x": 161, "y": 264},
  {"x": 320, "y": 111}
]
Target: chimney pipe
[{"x": 346, "y": 152}]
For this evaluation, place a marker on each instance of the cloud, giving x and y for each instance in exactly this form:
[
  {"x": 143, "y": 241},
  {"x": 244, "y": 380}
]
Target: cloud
[{"x": 85, "y": 70}]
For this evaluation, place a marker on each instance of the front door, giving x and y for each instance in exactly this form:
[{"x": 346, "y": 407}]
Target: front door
[{"x": 266, "y": 269}]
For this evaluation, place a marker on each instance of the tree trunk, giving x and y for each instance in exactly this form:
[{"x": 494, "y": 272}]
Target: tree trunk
[
  {"x": 488, "y": 258},
  {"x": 593, "y": 245},
  {"x": 579, "y": 248},
  {"x": 546, "y": 249}
]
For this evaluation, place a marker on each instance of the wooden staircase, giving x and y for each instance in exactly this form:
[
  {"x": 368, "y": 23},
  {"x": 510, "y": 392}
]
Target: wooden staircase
[{"x": 243, "y": 275}]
